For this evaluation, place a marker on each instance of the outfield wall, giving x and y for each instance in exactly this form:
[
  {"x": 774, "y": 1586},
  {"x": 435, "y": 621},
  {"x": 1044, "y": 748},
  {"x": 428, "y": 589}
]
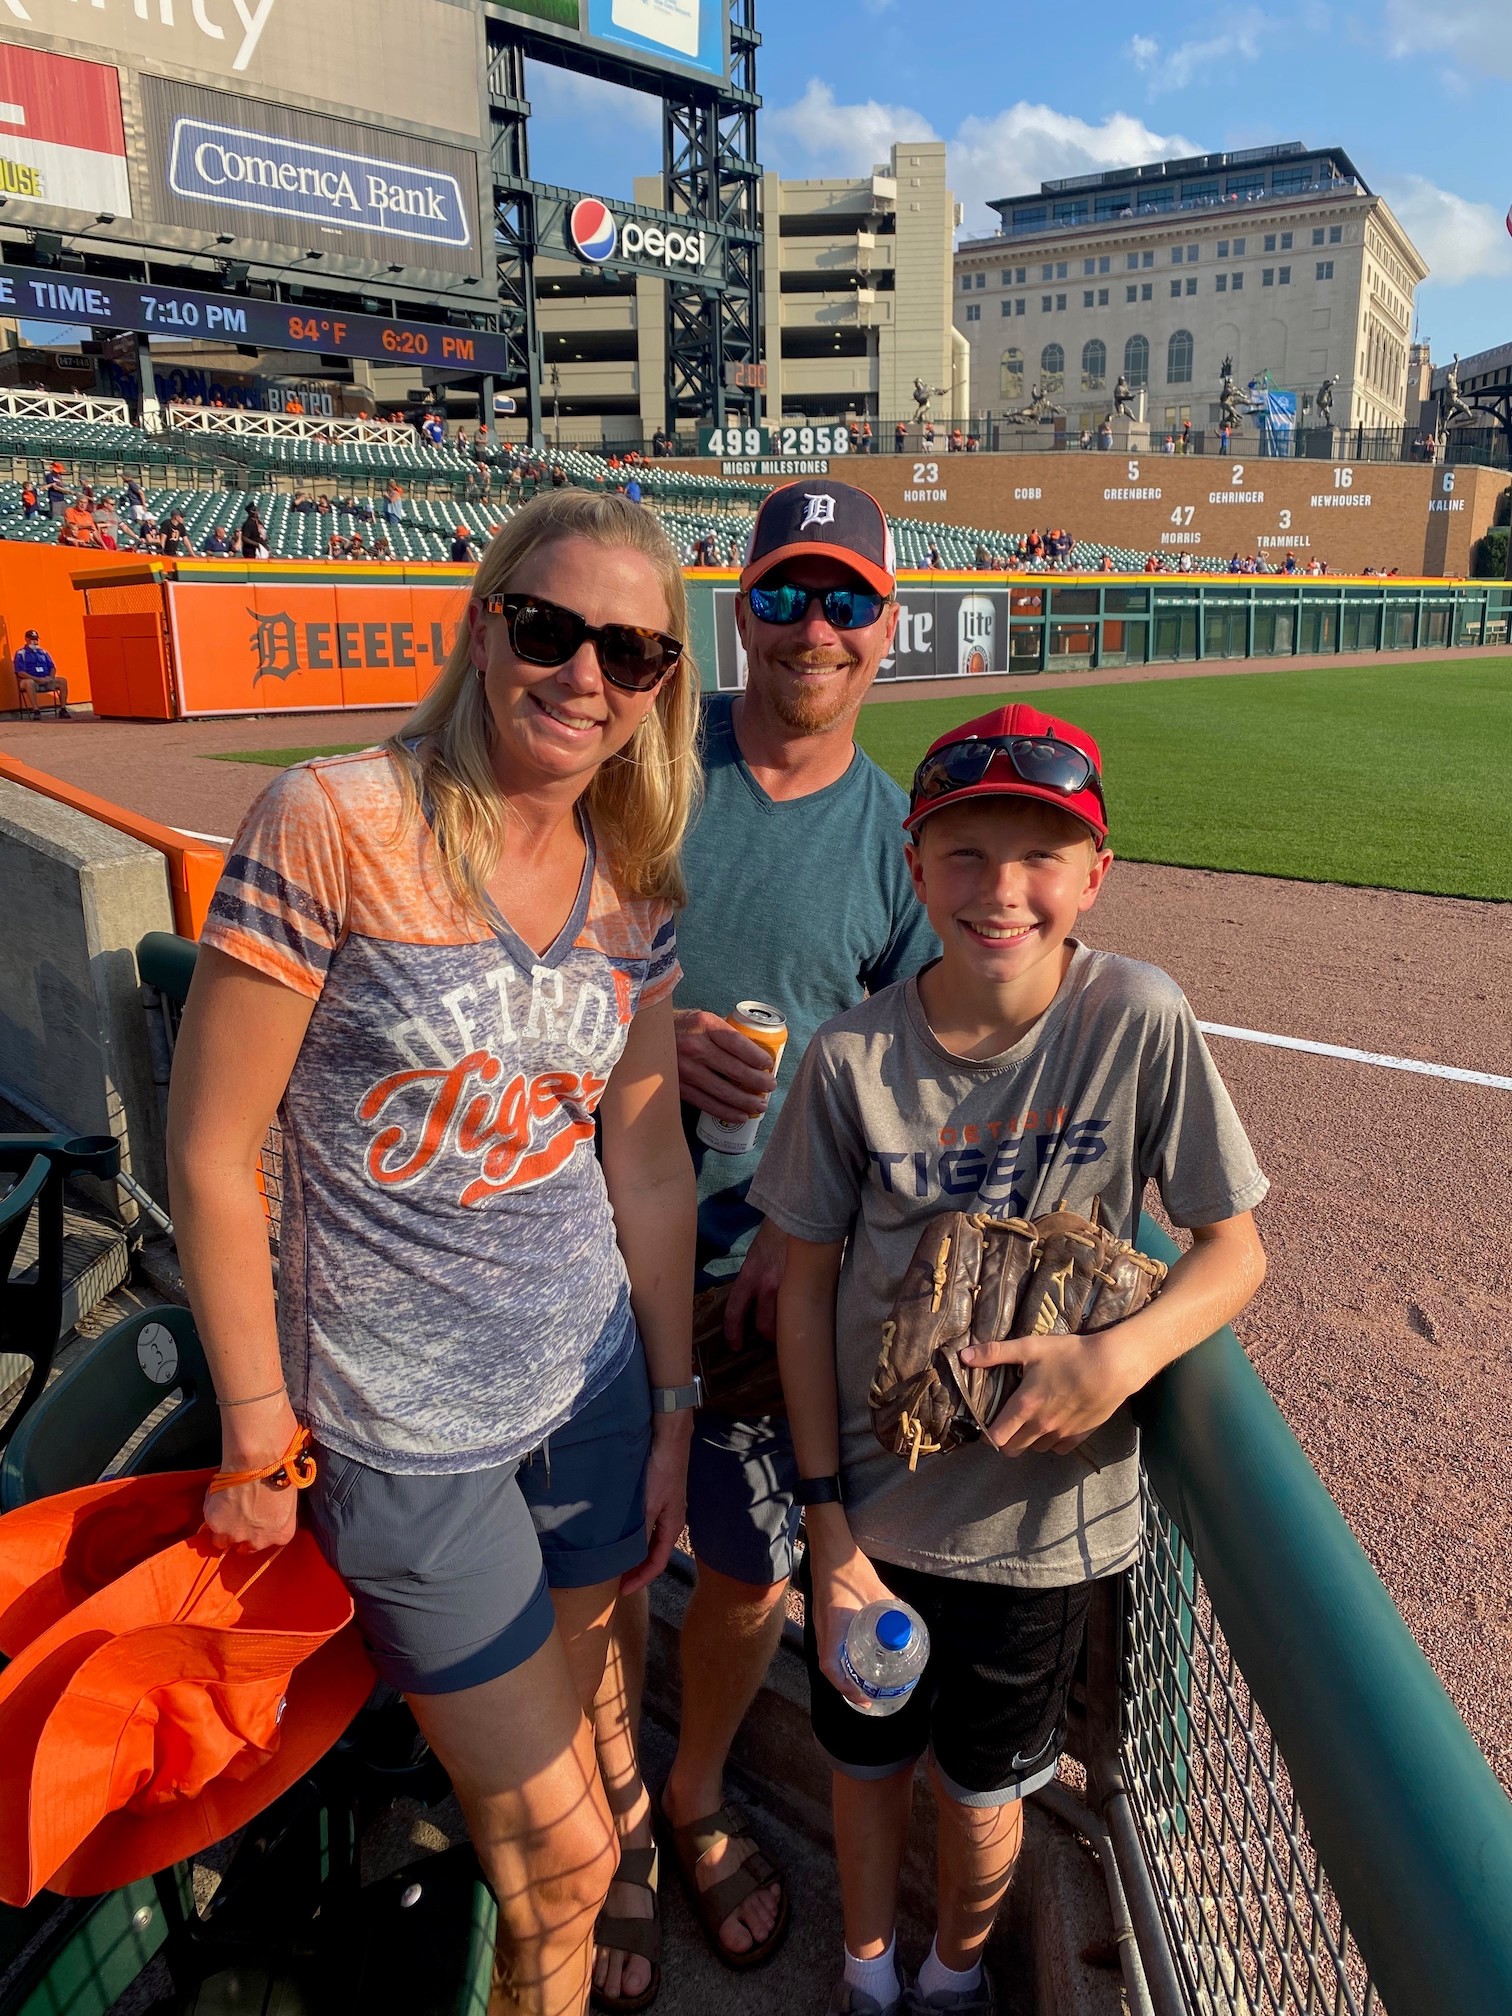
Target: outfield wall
[
  {"x": 1419, "y": 519},
  {"x": 37, "y": 592}
]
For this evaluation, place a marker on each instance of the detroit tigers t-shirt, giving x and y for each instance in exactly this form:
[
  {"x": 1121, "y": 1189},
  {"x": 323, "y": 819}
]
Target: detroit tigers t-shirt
[
  {"x": 450, "y": 1290},
  {"x": 885, "y": 1128}
]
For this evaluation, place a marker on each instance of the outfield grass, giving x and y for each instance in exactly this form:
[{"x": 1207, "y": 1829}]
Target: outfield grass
[{"x": 1386, "y": 776}]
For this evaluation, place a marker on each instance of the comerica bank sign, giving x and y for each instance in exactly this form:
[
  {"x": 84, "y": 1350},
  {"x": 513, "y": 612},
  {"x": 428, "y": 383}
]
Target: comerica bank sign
[{"x": 243, "y": 170}]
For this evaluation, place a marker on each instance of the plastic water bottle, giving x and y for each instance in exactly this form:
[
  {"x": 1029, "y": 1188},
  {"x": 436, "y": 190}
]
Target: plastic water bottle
[{"x": 885, "y": 1651}]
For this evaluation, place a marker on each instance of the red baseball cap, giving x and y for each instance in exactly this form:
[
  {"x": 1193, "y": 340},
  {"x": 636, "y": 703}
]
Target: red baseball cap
[
  {"x": 996, "y": 774},
  {"x": 833, "y": 521}
]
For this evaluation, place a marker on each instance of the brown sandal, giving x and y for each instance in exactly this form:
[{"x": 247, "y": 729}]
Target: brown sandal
[
  {"x": 712, "y": 1906},
  {"x": 642, "y": 1936}
]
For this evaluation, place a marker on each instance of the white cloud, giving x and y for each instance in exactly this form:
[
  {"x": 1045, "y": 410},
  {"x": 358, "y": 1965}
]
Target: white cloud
[
  {"x": 1014, "y": 150},
  {"x": 817, "y": 136},
  {"x": 1473, "y": 32},
  {"x": 1175, "y": 69},
  {"x": 1460, "y": 240}
]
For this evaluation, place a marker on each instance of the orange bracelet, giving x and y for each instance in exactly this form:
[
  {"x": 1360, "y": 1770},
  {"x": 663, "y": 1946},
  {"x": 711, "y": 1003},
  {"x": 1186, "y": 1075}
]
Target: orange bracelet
[{"x": 294, "y": 1470}]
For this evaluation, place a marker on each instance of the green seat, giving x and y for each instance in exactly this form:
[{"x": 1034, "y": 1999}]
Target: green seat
[{"x": 115, "y": 1385}]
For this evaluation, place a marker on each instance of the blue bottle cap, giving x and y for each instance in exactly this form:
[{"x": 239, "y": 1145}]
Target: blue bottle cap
[{"x": 894, "y": 1630}]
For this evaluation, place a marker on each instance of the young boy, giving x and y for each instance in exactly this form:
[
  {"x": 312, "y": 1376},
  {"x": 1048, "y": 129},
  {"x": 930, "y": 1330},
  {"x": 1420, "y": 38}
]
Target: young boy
[{"x": 1020, "y": 1069}]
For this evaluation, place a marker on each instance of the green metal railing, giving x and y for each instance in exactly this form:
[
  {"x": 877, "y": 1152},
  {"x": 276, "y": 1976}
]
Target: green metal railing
[{"x": 1314, "y": 1820}]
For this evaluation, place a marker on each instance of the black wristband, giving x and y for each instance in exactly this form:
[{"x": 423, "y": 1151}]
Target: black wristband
[{"x": 817, "y": 1491}]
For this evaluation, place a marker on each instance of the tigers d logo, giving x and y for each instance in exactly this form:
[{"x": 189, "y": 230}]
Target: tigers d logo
[{"x": 275, "y": 641}]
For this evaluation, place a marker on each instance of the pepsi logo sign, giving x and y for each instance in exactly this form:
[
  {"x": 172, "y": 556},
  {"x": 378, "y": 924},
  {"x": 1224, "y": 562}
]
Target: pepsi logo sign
[
  {"x": 594, "y": 233},
  {"x": 592, "y": 229}
]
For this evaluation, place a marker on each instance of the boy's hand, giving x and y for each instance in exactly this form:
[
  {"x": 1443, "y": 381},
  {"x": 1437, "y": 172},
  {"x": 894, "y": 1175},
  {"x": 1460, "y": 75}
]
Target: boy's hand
[
  {"x": 1071, "y": 1386},
  {"x": 843, "y": 1583}
]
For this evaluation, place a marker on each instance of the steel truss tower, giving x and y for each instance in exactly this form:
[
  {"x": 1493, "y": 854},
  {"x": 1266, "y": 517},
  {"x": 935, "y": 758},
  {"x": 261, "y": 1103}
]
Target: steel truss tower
[{"x": 711, "y": 181}]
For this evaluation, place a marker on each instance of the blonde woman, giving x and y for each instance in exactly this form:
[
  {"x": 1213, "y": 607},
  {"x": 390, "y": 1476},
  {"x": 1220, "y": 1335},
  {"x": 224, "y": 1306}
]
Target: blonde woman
[{"x": 437, "y": 962}]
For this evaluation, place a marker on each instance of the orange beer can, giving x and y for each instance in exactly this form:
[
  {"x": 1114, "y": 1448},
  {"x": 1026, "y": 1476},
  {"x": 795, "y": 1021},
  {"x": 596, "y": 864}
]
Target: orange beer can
[{"x": 768, "y": 1027}]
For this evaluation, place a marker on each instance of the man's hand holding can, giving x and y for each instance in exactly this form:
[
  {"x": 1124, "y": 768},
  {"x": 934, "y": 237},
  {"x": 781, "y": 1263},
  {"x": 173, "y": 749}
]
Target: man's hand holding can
[{"x": 719, "y": 1070}]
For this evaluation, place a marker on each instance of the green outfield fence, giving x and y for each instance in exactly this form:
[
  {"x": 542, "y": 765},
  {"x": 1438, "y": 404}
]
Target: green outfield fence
[{"x": 1300, "y": 1821}]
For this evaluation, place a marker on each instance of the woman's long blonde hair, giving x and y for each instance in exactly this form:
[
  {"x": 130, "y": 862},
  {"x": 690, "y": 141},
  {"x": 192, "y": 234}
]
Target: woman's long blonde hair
[{"x": 639, "y": 801}]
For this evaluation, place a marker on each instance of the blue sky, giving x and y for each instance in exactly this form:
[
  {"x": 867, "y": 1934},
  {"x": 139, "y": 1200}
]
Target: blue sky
[{"x": 1418, "y": 92}]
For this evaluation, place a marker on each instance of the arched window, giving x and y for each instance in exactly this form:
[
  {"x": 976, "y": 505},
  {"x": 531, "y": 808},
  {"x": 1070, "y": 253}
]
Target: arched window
[
  {"x": 1011, "y": 375},
  {"x": 1052, "y": 367},
  {"x": 1137, "y": 362},
  {"x": 1179, "y": 358},
  {"x": 1094, "y": 365}
]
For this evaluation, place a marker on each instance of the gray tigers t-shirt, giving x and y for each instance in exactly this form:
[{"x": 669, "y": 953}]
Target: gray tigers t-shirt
[{"x": 884, "y": 1129}]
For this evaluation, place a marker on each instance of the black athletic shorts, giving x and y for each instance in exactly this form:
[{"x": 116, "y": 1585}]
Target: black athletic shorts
[{"x": 990, "y": 1706}]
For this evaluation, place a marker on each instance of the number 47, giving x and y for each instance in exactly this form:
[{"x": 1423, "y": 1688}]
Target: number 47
[{"x": 1182, "y": 515}]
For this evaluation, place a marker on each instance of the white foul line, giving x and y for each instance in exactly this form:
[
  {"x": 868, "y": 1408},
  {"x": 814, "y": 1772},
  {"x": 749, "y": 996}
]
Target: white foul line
[
  {"x": 1359, "y": 1056},
  {"x": 218, "y": 839}
]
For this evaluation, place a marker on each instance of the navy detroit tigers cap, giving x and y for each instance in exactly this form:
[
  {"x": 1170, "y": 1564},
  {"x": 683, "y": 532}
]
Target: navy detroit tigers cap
[{"x": 833, "y": 521}]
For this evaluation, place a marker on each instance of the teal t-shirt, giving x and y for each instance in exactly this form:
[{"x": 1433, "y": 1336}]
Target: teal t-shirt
[{"x": 806, "y": 905}]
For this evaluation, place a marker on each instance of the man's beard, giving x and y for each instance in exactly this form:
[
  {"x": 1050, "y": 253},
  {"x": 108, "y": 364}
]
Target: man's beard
[{"x": 806, "y": 712}]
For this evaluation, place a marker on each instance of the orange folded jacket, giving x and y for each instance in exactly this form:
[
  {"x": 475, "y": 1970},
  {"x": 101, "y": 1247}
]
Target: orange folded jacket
[{"x": 160, "y": 1693}]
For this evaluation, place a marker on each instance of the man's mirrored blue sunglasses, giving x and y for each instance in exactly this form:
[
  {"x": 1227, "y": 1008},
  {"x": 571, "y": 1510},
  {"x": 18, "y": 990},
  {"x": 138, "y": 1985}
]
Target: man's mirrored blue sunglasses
[{"x": 844, "y": 608}]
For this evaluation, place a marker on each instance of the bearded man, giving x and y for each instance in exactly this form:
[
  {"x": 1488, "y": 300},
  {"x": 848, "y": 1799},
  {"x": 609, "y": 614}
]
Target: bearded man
[{"x": 798, "y": 896}]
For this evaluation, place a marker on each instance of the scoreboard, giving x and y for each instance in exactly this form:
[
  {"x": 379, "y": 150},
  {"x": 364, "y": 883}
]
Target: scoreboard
[{"x": 233, "y": 318}]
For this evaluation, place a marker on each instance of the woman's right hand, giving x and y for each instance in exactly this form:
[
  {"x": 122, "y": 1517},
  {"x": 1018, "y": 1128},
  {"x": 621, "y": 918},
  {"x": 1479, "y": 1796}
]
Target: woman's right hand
[
  {"x": 843, "y": 1583},
  {"x": 251, "y": 1517}
]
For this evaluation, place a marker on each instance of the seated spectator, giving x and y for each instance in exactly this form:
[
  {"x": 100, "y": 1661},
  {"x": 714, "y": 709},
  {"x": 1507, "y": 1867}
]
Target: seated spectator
[
  {"x": 934, "y": 557},
  {"x": 151, "y": 540},
  {"x": 70, "y": 535},
  {"x": 462, "y": 553},
  {"x": 382, "y": 549},
  {"x": 176, "y": 540},
  {"x": 1184, "y": 564},
  {"x": 81, "y": 518},
  {"x": 108, "y": 527},
  {"x": 337, "y": 546},
  {"x": 973, "y": 444},
  {"x": 1234, "y": 566},
  {"x": 36, "y": 673},
  {"x": 1290, "y": 566},
  {"x": 323, "y": 505},
  {"x": 215, "y": 545},
  {"x": 300, "y": 502},
  {"x": 362, "y": 510},
  {"x": 355, "y": 548},
  {"x": 1105, "y": 564},
  {"x": 736, "y": 555},
  {"x": 957, "y": 442},
  {"x": 559, "y": 477},
  {"x": 1086, "y": 438}
]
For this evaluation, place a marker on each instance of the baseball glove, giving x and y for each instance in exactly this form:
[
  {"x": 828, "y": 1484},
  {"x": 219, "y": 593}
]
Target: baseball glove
[
  {"x": 743, "y": 1382},
  {"x": 974, "y": 1279}
]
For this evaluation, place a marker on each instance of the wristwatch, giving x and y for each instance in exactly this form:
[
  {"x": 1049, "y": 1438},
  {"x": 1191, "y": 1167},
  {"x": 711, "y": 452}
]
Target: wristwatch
[
  {"x": 817, "y": 1491},
  {"x": 677, "y": 1399}
]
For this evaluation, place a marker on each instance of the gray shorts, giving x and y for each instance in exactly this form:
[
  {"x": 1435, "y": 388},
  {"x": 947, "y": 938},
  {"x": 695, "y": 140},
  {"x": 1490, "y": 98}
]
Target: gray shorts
[
  {"x": 741, "y": 1516},
  {"x": 451, "y": 1575}
]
